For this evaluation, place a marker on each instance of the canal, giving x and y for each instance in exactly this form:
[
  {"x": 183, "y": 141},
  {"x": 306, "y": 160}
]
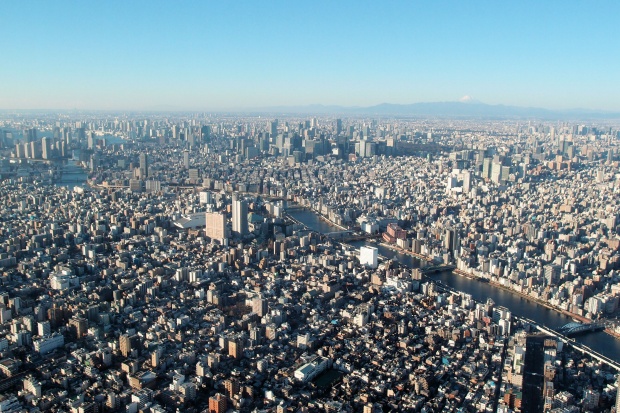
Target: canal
[{"x": 600, "y": 341}]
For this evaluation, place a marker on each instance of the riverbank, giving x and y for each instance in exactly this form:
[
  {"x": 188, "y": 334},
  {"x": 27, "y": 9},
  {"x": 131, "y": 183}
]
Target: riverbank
[
  {"x": 71, "y": 173},
  {"x": 327, "y": 220},
  {"x": 480, "y": 289},
  {"x": 612, "y": 332},
  {"x": 320, "y": 216},
  {"x": 495, "y": 284},
  {"x": 404, "y": 251},
  {"x": 545, "y": 304}
]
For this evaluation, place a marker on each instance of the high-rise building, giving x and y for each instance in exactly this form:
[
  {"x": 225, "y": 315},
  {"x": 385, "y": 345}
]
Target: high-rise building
[
  {"x": 44, "y": 328},
  {"x": 46, "y": 147},
  {"x": 206, "y": 133},
  {"x": 206, "y": 197},
  {"x": 155, "y": 358},
  {"x": 30, "y": 135},
  {"x": 369, "y": 256},
  {"x": 125, "y": 344},
  {"x": 235, "y": 348},
  {"x": 496, "y": 172},
  {"x": 451, "y": 239},
  {"x": 553, "y": 273},
  {"x": 79, "y": 326},
  {"x": 338, "y": 126},
  {"x": 144, "y": 166},
  {"x": 466, "y": 181},
  {"x": 188, "y": 390},
  {"x": 35, "y": 150},
  {"x": 80, "y": 135},
  {"x": 487, "y": 165},
  {"x": 153, "y": 186},
  {"x": 232, "y": 387},
  {"x": 128, "y": 343},
  {"x": 259, "y": 306},
  {"x": 91, "y": 140},
  {"x": 20, "y": 151},
  {"x": 239, "y": 217},
  {"x": 215, "y": 225},
  {"x": 217, "y": 403}
]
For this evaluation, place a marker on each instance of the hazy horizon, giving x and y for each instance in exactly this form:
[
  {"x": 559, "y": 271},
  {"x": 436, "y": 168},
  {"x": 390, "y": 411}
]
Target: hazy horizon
[{"x": 221, "y": 56}]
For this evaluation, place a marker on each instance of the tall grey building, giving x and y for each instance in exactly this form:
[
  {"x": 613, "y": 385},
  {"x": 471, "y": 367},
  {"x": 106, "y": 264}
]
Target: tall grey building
[
  {"x": 239, "y": 216},
  {"x": 144, "y": 166}
]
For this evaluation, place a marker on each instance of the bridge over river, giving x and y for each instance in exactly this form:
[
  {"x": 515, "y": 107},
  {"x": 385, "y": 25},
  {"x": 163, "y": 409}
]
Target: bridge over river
[
  {"x": 595, "y": 340},
  {"x": 573, "y": 329}
]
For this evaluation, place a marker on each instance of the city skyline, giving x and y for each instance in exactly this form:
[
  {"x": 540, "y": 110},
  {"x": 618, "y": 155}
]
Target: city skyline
[
  {"x": 199, "y": 262},
  {"x": 221, "y": 56}
]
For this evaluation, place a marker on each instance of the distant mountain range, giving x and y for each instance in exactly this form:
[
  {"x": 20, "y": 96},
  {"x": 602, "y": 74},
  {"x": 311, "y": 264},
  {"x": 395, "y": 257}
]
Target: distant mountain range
[{"x": 465, "y": 108}]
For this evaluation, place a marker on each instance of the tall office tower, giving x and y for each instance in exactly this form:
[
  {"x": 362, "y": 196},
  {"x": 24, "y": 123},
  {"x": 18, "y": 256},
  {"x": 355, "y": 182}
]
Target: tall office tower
[
  {"x": 273, "y": 128},
  {"x": 80, "y": 134},
  {"x": 35, "y": 150},
  {"x": 144, "y": 166},
  {"x": 186, "y": 159},
  {"x": 239, "y": 216},
  {"x": 46, "y": 148},
  {"x": 205, "y": 131},
  {"x": 451, "y": 239},
  {"x": 496, "y": 172},
  {"x": 191, "y": 138},
  {"x": 30, "y": 135},
  {"x": 215, "y": 225},
  {"x": 338, "y": 126},
  {"x": 466, "y": 181},
  {"x": 20, "y": 150},
  {"x": 487, "y": 166},
  {"x": 91, "y": 140}
]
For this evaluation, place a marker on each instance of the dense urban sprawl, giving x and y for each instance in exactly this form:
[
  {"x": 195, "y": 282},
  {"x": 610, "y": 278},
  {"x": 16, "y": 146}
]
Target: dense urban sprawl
[{"x": 175, "y": 276}]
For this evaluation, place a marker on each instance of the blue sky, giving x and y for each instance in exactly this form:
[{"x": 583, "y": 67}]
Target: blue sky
[{"x": 209, "y": 55}]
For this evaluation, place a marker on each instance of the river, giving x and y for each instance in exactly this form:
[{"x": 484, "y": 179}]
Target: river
[
  {"x": 73, "y": 174},
  {"x": 600, "y": 341}
]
